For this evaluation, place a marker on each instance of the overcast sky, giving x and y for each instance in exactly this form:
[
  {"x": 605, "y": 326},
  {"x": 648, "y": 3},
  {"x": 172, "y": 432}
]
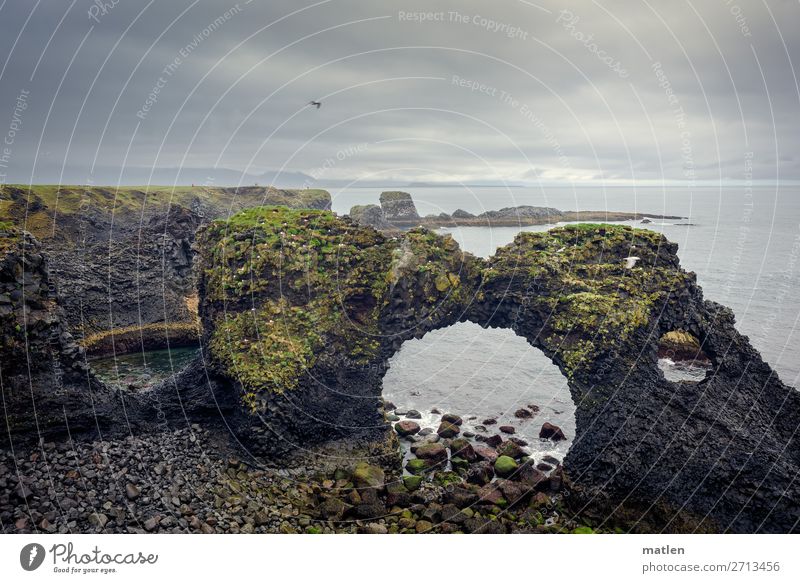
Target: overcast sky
[{"x": 411, "y": 91}]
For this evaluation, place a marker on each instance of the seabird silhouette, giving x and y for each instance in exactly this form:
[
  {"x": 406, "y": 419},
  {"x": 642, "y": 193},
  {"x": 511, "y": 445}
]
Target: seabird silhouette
[
  {"x": 630, "y": 262},
  {"x": 317, "y": 103}
]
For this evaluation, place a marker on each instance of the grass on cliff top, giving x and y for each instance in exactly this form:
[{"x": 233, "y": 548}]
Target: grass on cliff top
[
  {"x": 48, "y": 201},
  {"x": 394, "y": 195}
]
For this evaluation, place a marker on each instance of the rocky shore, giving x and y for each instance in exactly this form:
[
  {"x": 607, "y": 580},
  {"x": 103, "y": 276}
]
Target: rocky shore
[
  {"x": 397, "y": 211},
  {"x": 187, "y": 481},
  {"x": 301, "y": 312}
]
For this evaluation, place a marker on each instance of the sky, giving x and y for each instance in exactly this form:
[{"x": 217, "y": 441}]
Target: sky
[{"x": 511, "y": 91}]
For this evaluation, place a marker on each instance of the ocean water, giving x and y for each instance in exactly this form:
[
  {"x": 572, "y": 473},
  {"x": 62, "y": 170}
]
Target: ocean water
[
  {"x": 743, "y": 243},
  {"x": 140, "y": 370}
]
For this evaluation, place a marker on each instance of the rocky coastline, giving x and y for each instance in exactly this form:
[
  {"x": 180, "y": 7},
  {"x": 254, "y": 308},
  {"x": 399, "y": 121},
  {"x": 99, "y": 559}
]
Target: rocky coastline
[
  {"x": 299, "y": 313},
  {"x": 397, "y": 211}
]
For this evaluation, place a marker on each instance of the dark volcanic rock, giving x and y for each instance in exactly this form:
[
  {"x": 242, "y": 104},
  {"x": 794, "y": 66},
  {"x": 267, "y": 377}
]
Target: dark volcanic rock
[
  {"x": 448, "y": 429},
  {"x": 405, "y": 428},
  {"x": 462, "y": 214},
  {"x": 550, "y": 431},
  {"x": 398, "y": 207},
  {"x": 370, "y": 215},
  {"x": 602, "y": 334},
  {"x": 454, "y": 419}
]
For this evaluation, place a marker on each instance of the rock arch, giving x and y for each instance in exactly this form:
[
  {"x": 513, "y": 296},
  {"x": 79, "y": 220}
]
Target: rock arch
[{"x": 302, "y": 310}]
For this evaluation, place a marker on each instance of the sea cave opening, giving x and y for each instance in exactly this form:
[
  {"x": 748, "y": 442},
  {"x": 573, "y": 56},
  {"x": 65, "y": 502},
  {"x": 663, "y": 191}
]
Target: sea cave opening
[{"x": 500, "y": 387}]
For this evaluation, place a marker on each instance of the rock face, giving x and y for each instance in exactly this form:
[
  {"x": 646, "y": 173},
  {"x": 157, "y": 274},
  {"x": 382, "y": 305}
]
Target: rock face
[
  {"x": 302, "y": 312},
  {"x": 398, "y": 207},
  {"x": 678, "y": 345},
  {"x": 370, "y": 215},
  {"x": 47, "y": 385},
  {"x": 122, "y": 257}
]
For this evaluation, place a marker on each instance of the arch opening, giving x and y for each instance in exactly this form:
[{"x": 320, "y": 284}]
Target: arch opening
[
  {"x": 681, "y": 357},
  {"x": 500, "y": 387}
]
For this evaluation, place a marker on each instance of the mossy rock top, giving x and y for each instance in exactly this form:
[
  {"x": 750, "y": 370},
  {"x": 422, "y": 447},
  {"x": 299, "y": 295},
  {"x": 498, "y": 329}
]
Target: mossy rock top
[{"x": 283, "y": 286}]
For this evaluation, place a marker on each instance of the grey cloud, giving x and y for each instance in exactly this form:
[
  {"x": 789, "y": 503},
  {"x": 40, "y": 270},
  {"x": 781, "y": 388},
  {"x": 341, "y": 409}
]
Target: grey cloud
[{"x": 568, "y": 113}]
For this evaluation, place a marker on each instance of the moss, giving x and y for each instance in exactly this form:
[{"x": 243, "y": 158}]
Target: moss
[
  {"x": 599, "y": 302},
  {"x": 416, "y": 466},
  {"x": 412, "y": 483},
  {"x": 447, "y": 478},
  {"x": 285, "y": 286},
  {"x": 504, "y": 466},
  {"x": 164, "y": 332},
  {"x": 290, "y": 282}
]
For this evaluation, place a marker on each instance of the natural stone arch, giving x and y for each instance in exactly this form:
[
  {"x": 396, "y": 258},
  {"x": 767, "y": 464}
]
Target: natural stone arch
[{"x": 301, "y": 311}]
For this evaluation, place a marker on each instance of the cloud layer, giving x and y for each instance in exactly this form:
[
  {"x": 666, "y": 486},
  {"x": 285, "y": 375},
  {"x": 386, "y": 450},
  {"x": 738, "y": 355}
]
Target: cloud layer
[{"x": 412, "y": 91}]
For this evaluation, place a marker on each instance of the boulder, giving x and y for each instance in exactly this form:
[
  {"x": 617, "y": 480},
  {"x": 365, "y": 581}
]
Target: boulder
[
  {"x": 434, "y": 452},
  {"x": 550, "y": 431},
  {"x": 493, "y": 441},
  {"x": 460, "y": 496},
  {"x": 450, "y": 418},
  {"x": 417, "y": 466},
  {"x": 508, "y": 429},
  {"x": 368, "y": 476},
  {"x": 523, "y": 413},
  {"x": 491, "y": 494},
  {"x": 510, "y": 449},
  {"x": 463, "y": 449},
  {"x": 505, "y": 466},
  {"x": 406, "y": 428},
  {"x": 485, "y": 453},
  {"x": 412, "y": 483},
  {"x": 480, "y": 473},
  {"x": 448, "y": 430},
  {"x": 529, "y": 475}
]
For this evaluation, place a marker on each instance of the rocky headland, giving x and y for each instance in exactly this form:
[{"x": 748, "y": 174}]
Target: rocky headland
[{"x": 279, "y": 425}]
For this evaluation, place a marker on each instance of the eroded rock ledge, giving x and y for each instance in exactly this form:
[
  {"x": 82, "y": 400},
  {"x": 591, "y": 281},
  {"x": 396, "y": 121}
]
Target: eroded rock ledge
[{"x": 302, "y": 310}]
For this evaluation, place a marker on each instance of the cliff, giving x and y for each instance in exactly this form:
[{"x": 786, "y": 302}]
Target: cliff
[
  {"x": 122, "y": 257},
  {"x": 47, "y": 386}
]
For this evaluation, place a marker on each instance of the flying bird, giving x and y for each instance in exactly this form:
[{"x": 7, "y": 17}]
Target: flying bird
[
  {"x": 318, "y": 104},
  {"x": 630, "y": 262}
]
